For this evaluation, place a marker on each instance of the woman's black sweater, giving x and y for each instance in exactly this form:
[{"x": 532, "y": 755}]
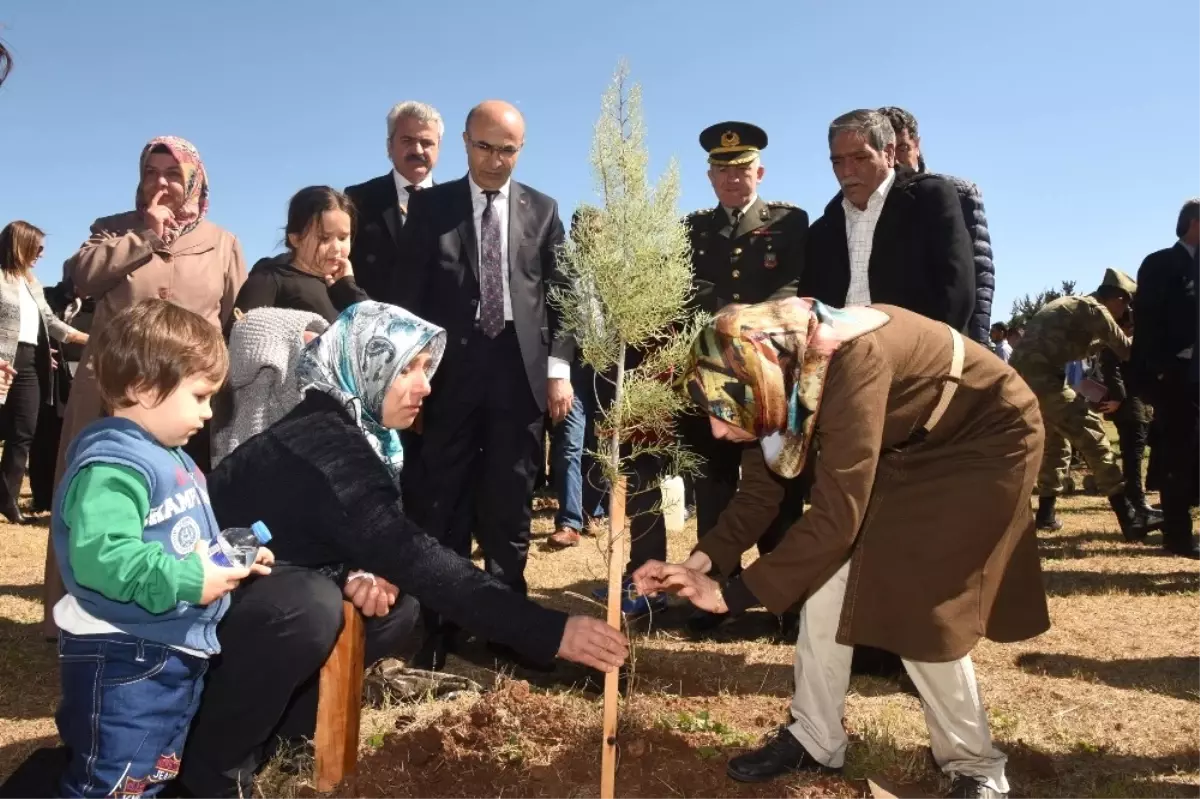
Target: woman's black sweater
[
  {"x": 275, "y": 283},
  {"x": 328, "y": 499}
]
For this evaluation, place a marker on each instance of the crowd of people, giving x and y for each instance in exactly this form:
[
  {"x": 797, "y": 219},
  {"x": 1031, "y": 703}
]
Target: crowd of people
[{"x": 390, "y": 380}]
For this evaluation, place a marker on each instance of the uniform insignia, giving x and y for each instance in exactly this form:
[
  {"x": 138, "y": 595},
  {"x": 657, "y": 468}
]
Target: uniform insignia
[
  {"x": 770, "y": 260},
  {"x": 781, "y": 205},
  {"x": 730, "y": 139}
]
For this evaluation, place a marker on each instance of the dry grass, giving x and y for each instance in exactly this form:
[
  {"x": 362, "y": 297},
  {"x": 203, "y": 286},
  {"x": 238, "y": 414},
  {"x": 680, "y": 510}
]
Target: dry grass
[{"x": 1104, "y": 704}]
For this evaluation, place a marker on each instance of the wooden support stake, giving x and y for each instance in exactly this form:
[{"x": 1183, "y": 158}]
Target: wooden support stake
[
  {"x": 616, "y": 567},
  {"x": 339, "y": 704}
]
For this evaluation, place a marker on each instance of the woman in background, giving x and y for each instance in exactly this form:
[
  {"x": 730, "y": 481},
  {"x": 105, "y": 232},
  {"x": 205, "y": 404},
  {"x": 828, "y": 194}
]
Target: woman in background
[
  {"x": 314, "y": 274},
  {"x": 164, "y": 248},
  {"x": 23, "y": 312}
]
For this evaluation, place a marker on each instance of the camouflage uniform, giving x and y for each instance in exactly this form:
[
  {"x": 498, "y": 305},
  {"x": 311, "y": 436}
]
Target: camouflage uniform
[{"x": 1069, "y": 329}]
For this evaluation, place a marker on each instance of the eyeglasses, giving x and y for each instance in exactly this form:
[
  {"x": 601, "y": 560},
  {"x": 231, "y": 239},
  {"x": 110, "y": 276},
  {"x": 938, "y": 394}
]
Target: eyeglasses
[{"x": 506, "y": 153}]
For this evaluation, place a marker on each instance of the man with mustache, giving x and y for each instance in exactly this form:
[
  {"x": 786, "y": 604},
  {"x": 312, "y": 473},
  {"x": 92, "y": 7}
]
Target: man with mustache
[
  {"x": 414, "y": 138},
  {"x": 891, "y": 235}
]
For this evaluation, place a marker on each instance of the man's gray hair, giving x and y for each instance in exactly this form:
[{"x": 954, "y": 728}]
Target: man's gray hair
[
  {"x": 872, "y": 125},
  {"x": 1190, "y": 211},
  {"x": 423, "y": 112}
]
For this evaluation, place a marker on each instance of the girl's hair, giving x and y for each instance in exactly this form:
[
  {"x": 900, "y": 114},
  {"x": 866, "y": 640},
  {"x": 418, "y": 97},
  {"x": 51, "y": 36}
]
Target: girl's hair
[
  {"x": 307, "y": 205},
  {"x": 20, "y": 245}
]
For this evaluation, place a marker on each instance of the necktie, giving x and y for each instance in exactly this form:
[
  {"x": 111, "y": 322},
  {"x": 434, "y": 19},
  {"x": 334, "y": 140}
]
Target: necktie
[
  {"x": 491, "y": 279},
  {"x": 735, "y": 219},
  {"x": 413, "y": 189}
]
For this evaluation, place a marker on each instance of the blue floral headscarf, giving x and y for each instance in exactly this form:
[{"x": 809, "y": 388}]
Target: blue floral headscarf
[{"x": 358, "y": 358}]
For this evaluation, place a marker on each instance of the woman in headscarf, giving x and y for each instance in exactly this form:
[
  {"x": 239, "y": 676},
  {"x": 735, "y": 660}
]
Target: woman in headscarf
[
  {"x": 326, "y": 480},
  {"x": 920, "y": 539},
  {"x": 164, "y": 248}
]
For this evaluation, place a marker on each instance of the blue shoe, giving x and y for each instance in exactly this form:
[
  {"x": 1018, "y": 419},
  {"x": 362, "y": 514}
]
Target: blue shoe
[{"x": 632, "y": 604}]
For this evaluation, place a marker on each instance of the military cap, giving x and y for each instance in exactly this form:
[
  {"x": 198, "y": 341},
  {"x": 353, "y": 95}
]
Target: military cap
[
  {"x": 1120, "y": 280},
  {"x": 733, "y": 143}
]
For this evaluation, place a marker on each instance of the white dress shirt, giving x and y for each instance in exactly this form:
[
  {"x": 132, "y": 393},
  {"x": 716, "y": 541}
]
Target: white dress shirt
[
  {"x": 557, "y": 367},
  {"x": 860, "y": 236},
  {"x": 31, "y": 317},
  {"x": 402, "y": 184},
  {"x": 1004, "y": 350},
  {"x": 1190, "y": 249}
]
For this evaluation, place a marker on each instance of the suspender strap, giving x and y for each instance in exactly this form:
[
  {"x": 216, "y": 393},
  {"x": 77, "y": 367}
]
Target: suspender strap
[{"x": 951, "y": 385}]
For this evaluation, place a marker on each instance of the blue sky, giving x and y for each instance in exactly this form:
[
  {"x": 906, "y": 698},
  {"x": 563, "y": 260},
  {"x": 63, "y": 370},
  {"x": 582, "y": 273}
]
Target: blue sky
[{"x": 1079, "y": 120}]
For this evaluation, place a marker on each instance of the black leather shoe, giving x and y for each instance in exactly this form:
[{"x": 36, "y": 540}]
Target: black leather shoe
[
  {"x": 506, "y": 652},
  {"x": 12, "y": 513},
  {"x": 702, "y": 622},
  {"x": 1046, "y": 520},
  {"x": 972, "y": 788},
  {"x": 432, "y": 655},
  {"x": 1184, "y": 548},
  {"x": 782, "y": 754}
]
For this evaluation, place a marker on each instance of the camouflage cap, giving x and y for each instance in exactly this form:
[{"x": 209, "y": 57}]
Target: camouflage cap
[{"x": 1120, "y": 280}]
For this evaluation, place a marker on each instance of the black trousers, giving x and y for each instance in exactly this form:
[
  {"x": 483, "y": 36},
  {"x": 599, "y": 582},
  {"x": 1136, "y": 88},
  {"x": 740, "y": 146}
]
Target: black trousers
[
  {"x": 1180, "y": 445},
  {"x": 717, "y": 483},
  {"x": 18, "y": 422},
  {"x": 43, "y": 456},
  {"x": 263, "y": 687},
  {"x": 482, "y": 445},
  {"x": 643, "y": 507},
  {"x": 1133, "y": 431}
]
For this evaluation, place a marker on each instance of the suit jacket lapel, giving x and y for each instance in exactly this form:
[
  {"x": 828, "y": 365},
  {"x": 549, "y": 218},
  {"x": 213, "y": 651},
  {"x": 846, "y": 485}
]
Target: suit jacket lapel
[
  {"x": 466, "y": 228},
  {"x": 752, "y": 219},
  {"x": 889, "y": 228},
  {"x": 390, "y": 205},
  {"x": 518, "y": 213}
]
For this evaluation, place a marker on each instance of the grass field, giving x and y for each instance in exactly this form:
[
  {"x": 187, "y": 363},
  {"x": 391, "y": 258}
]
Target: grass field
[{"x": 1104, "y": 704}]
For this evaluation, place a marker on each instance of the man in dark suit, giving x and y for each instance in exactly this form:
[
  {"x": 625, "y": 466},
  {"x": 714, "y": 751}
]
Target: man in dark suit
[
  {"x": 414, "y": 136},
  {"x": 482, "y": 250},
  {"x": 891, "y": 235},
  {"x": 1167, "y": 371}
]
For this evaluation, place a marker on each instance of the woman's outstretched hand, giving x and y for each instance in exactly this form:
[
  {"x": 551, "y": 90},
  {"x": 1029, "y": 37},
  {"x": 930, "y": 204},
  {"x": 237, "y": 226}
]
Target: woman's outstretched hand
[
  {"x": 593, "y": 643},
  {"x": 685, "y": 579}
]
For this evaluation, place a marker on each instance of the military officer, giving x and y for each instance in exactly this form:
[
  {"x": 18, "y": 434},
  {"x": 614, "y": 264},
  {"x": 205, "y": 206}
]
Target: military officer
[
  {"x": 1068, "y": 329},
  {"x": 744, "y": 250}
]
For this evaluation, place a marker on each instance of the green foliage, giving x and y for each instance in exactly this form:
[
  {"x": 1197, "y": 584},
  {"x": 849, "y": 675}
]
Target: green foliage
[
  {"x": 1024, "y": 308},
  {"x": 627, "y": 283},
  {"x": 702, "y": 722}
]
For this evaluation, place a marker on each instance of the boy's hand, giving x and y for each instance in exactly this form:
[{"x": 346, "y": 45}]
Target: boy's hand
[{"x": 218, "y": 580}]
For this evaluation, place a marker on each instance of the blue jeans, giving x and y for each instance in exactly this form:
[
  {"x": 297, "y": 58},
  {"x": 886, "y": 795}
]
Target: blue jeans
[
  {"x": 566, "y": 455},
  {"x": 126, "y": 707}
]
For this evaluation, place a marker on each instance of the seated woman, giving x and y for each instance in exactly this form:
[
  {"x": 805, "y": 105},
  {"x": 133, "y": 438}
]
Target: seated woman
[
  {"x": 920, "y": 539},
  {"x": 315, "y": 273},
  {"x": 325, "y": 479}
]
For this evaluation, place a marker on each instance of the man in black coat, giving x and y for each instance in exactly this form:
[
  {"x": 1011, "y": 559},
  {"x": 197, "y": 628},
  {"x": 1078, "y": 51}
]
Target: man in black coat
[
  {"x": 891, "y": 235},
  {"x": 1167, "y": 370},
  {"x": 414, "y": 137},
  {"x": 480, "y": 255}
]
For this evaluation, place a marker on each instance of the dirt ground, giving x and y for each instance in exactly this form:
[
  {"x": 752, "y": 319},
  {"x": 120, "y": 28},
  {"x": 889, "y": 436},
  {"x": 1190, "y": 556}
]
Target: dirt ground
[{"x": 1105, "y": 704}]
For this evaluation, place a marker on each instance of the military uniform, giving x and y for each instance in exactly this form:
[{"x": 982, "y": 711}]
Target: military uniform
[
  {"x": 1069, "y": 329},
  {"x": 746, "y": 256},
  {"x": 757, "y": 260}
]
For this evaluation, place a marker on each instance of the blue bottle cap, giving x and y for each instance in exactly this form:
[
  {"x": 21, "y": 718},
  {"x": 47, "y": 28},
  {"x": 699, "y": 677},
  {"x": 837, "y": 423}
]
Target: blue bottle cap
[{"x": 261, "y": 532}]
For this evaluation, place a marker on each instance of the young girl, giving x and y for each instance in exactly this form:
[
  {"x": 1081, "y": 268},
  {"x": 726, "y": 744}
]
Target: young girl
[{"x": 315, "y": 273}]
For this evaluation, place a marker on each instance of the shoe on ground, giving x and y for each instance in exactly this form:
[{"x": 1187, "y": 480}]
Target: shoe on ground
[
  {"x": 702, "y": 622},
  {"x": 633, "y": 604},
  {"x": 781, "y": 754},
  {"x": 973, "y": 788},
  {"x": 564, "y": 537},
  {"x": 1184, "y": 548}
]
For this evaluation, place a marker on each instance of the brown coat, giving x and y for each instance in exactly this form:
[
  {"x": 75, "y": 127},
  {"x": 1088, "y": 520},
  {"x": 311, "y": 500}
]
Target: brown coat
[
  {"x": 122, "y": 264},
  {"x": 940, "y": 535}
]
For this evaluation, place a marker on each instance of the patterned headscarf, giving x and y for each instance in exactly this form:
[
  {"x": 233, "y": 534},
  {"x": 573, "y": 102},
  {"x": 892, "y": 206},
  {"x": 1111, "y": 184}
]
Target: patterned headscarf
[
  {"x": 358, "y": 358},
  {"x": 762, "y": 368},
  {"x": 195, "y": 185}
]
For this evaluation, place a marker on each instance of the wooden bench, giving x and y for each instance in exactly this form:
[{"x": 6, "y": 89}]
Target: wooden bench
[{"x": 339, "y": 704}]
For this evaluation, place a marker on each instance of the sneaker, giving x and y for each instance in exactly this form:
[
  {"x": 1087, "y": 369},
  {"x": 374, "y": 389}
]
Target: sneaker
[{"x": 632, "y": 603}]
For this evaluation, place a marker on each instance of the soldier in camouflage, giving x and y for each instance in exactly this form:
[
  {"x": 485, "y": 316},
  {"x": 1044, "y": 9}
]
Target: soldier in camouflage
[
  {"x": 745, "y": 250},
  {"x": 1068, "y": 329}
]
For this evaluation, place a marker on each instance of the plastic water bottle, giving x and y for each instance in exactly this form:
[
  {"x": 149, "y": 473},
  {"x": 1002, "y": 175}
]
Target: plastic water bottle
[{"x": 237, "y": 547}]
